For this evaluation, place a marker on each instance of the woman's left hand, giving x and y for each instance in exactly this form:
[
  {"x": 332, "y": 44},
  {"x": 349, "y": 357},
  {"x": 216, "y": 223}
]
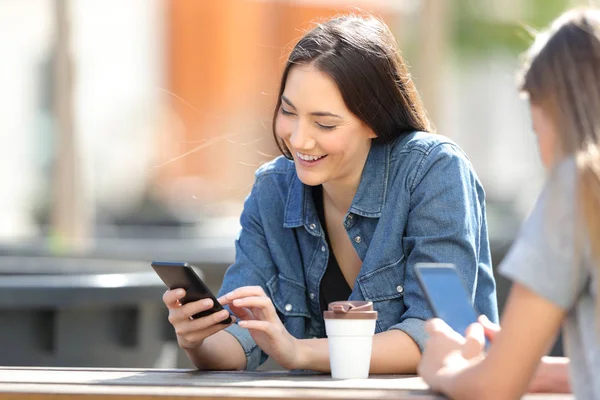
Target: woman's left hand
[
  {"x": 447, "y": 350},
  {"x": 256, "y": 312}
]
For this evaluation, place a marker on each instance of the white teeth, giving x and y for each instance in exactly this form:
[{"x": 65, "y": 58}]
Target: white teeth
[{"x": 306, "y": 157}]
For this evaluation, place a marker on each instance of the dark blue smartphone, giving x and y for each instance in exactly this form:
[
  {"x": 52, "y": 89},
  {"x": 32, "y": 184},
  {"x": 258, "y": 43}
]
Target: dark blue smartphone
[
  {"x": 446, "y": 295},
  {"x": 180, "y": 275}
]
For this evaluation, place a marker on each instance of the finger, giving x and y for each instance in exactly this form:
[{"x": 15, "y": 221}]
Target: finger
[
  {"x": 193, "y": 308},
  {"x": 430, "y": 326},
  {"x": 201, "y": 324},
  {"x": 490, "y": 329},
  {"x": 437, "y": 329},
  {"x": 190, "y": 309},
  {"x": 435, "y": 325},
  {"x": 487, "y": 324},
  {"x": 222, "y": 300},
  {"x": 198, "y": 336},
  {"x": 474, "y": 341},
  {"x": 245, "y": 291},
  {"x": 255, "y": 325},
  {"x": 263, "y": 304},
  {"x": 171, "y": 297}
]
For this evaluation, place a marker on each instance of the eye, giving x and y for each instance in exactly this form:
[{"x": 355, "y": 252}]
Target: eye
[
  {"x": 325, "y": 127},
  {"x": 285, "y": 112}
]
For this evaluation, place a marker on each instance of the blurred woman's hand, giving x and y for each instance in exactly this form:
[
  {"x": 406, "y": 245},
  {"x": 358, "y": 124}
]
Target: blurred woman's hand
[
  {"x": 192, "y": 332},
  {"x": 447, "y": 350},
  {"x": 257, "y": 314},
  {"x": 490, "y": 329}
]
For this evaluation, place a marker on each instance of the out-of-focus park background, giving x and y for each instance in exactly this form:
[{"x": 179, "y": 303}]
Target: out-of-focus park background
[{"x": 130, "y": 131}]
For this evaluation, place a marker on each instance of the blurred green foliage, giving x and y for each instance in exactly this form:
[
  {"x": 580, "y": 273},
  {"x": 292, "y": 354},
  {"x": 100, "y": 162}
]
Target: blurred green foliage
[{"x": 481, "y": 26}]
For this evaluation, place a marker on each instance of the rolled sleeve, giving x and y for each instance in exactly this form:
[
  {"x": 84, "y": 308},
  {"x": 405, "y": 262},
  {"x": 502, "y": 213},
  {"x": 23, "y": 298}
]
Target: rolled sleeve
[
  {"x": 415, "y": 328},
  {"x": 253, "y": 353}
]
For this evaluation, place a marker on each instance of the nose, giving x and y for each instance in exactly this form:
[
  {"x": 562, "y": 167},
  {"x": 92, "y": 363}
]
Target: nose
[{"x": 301, "y": 138}]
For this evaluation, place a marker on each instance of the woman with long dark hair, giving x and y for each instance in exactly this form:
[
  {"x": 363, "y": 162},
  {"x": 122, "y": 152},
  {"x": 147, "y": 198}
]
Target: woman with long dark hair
[{"x": 361, "y": 193}]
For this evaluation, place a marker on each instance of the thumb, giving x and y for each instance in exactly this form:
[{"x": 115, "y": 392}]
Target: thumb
[
  {"x": 474, "y": 341},
  {"x": 490, "y": 329}
]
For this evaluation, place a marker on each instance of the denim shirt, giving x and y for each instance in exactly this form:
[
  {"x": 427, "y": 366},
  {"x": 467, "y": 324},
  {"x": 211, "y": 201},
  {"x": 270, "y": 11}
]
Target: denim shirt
[{"x": 419, "y": 200}]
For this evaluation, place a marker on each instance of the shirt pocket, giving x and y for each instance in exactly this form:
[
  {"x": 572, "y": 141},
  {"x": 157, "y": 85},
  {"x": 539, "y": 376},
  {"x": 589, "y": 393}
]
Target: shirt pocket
[
  {"x": 288, "y": 297},
  {"x": 385, "y": 288}
]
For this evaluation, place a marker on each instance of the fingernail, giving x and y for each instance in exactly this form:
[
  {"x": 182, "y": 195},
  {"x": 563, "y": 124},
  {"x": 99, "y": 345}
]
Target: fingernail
[
  {"x": 180, "y": 292},
  {"x": 242, "y": 323},
  {"x": 207, "y": 302}
]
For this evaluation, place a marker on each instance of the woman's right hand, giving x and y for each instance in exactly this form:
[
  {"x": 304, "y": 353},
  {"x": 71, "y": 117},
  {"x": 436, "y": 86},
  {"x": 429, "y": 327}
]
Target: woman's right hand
[{"x": 192, "y": 332}]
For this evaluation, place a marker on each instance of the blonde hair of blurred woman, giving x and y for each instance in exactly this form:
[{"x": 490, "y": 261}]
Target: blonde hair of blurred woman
[{"x": 562, "y": 76}]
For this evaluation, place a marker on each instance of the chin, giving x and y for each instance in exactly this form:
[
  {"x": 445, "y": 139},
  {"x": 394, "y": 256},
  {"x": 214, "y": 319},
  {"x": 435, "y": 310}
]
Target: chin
[{"x": 310, "y": 179}]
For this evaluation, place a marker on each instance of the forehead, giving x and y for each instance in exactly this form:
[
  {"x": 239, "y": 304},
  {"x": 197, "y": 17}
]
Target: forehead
[{"x": 309, "y": 88}]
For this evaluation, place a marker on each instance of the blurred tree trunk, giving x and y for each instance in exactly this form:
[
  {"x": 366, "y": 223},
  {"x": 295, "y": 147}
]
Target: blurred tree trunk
[
  {"x": 70, "y": 216},
  {"x": 433, "y": 44}
]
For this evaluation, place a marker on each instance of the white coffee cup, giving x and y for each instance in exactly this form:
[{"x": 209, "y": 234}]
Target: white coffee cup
[{"x": 350, "y": 326}]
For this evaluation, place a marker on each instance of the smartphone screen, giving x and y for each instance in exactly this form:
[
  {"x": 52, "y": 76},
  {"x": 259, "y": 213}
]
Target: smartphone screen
[
  {"x": 180, "y": 275},
  {"x": 446, "y": 294}
]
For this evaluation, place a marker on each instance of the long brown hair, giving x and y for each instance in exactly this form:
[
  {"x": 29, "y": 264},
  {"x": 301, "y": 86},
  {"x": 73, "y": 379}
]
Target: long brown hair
[
  {"x": 361, "y": 55},
  {"x": 562, "y": 75}
]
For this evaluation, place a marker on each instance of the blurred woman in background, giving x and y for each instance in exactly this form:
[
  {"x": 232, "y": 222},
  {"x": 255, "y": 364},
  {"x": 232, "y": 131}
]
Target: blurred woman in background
[{"x": 555, "y": 260}]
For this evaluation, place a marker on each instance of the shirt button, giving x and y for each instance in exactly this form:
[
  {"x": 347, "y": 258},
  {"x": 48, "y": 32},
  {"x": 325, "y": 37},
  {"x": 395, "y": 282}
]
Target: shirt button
[
  {"x": 288, "y": 307},
  {"x": 357, "y": 239},
  {"x": 399, "y": 289},
  {"x": 312, "y": 296},
  {"x": 323, "y": 248},
  {"x": 350, "y": 216},
  {"x": 312, "y": 226}
]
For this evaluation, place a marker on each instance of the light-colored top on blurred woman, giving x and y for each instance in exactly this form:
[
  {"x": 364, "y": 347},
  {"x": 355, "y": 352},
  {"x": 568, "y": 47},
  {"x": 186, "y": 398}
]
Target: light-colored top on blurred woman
[{"x": 551, "y": 257}]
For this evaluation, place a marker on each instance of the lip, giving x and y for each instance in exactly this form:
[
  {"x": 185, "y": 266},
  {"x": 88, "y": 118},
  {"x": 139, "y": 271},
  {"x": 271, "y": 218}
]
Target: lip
[{"x": 308, "y": 164}]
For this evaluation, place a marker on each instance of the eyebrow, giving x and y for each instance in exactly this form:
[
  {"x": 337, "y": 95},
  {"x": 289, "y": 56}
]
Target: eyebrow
[{"x": 316, "y": 113}]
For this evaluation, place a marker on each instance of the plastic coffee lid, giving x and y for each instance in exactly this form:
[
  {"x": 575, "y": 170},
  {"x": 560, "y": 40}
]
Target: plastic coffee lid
[{"x": 350, "y": 310}]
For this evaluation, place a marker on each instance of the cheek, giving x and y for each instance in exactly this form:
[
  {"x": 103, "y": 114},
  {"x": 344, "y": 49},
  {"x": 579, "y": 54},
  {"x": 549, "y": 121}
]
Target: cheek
[
  {"x": 546, "y": 145},
  {"x": 346, "y": 143},
  {"x": 333, "y": 144},
  {"x": 283, "y": 127}
]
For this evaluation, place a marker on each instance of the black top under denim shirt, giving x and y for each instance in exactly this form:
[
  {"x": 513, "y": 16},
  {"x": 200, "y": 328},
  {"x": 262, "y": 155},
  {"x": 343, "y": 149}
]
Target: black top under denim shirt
[{"x": 334, "y": 286}]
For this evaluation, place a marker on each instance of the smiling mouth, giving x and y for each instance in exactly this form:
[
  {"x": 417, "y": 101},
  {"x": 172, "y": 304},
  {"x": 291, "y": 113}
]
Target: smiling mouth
[{"x": 309, "y": 158}]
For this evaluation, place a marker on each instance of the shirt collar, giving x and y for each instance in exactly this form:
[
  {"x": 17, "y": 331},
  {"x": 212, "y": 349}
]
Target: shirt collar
[{"x": 372, "y": 189}]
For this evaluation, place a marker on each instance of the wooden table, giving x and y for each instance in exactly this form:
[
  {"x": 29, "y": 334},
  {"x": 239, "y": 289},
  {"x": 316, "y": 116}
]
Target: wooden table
[{"x": 125, "y": 384}]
